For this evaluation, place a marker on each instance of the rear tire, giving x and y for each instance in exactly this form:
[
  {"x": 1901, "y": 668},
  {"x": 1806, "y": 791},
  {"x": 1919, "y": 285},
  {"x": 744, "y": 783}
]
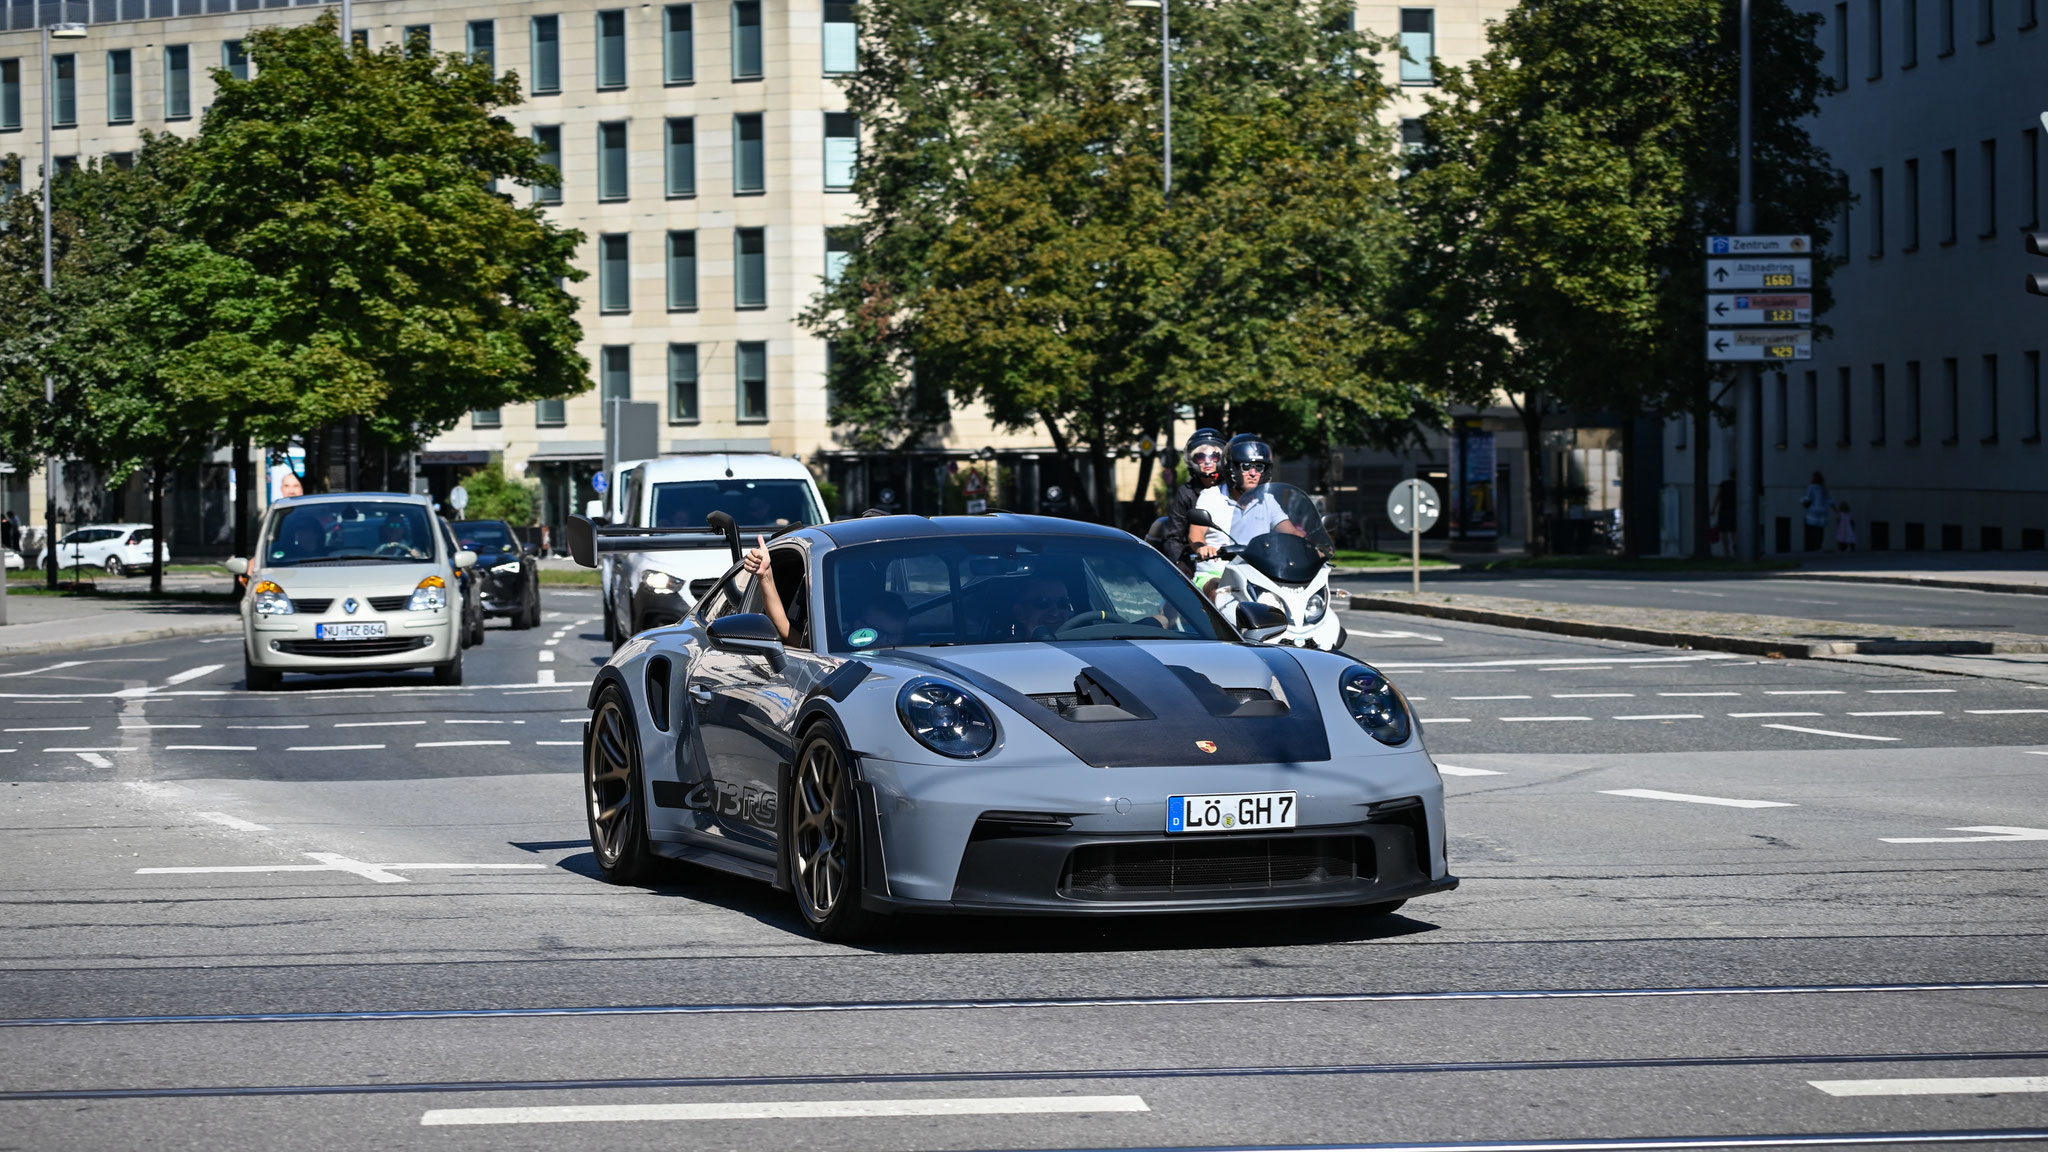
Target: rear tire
[
  {"x": 450, "y": 674},
  {"x": 823, "y": 840},
  {"x": 115, "y": 569},
  {"x": 614, "y": 800},
  {"x": 476, "y": 632},
  {"x": 259, "y": 679}
]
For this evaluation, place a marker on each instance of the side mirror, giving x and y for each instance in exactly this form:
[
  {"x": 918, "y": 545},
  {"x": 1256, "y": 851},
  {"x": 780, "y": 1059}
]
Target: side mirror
[
  {"x": 748, "y": 634},
  {"x": 1200, "y": 519},
  {"x": 465, "y": 559},
  {"x": 237, "y": 565},
  {"x": 1260, "y": 622}
]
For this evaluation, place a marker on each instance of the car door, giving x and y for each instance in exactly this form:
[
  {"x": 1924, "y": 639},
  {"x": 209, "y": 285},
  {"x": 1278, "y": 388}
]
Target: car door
[
  {"x": 709, "y": 754},
  {"x": 755, "y": 704}
]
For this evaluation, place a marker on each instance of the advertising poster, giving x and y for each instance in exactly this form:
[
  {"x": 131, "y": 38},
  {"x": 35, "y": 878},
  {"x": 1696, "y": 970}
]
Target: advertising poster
[
  {"x": 1474, "y": 501},
  {"x": 292, "y": 463}
]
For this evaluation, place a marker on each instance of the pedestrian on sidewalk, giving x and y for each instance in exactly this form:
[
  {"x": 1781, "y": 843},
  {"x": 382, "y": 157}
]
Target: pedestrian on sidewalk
[
  {"x": 1724, "y": 515},
  {"x": 10, "y": 531},
  {"x": 1817, "y": 506},
  {"x": 1845, "y": 528}
]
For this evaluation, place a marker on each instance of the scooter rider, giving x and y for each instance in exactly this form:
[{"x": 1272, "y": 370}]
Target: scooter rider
[
  {"x": 1204, "y": 455},
  {"x": 1248, "y": 461}
]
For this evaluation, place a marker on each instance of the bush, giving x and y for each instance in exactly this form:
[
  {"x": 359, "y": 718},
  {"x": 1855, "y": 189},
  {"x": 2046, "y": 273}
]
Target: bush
[{"x": 495, "y": 496}]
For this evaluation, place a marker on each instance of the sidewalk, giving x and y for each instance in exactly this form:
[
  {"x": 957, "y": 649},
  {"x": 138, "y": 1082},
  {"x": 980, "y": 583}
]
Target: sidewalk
[
  {"x": 38, "y": 624},
  {"x": 2019, "y": 572}
]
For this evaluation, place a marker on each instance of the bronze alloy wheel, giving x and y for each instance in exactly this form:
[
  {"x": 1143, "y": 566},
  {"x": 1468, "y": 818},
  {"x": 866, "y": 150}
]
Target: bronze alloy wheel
[
  {"x": 611, "y": 791},
  {"x": 824, "y": 840}
]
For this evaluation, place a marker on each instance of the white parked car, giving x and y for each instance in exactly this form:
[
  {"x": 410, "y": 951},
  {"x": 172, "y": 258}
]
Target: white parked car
[
  {"x": 118, "y": 548},
  {"x": 12, "y": 559},
  {"x": 352, "y": 582}
]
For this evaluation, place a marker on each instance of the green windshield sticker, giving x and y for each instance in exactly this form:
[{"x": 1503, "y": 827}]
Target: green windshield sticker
[{"x": 862, "y": 637}]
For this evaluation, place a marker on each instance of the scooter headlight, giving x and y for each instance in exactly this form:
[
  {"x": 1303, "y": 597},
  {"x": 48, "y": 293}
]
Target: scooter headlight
[
  {"x": 1317, "y": 605},
  {"x": 1372, "y": 702}
]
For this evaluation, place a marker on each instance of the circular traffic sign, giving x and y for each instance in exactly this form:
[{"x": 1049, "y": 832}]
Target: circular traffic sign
[{"x": 1413, "y": 506}]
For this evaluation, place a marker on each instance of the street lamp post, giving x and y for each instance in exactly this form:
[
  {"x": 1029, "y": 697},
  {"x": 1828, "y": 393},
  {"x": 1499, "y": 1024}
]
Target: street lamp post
[
  {"x": 1165, "y": 77},
  {"x": 51, "y": 32}
]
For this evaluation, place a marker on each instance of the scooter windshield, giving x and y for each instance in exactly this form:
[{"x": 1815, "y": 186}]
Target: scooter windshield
[{"x": 1283, "y": 557}]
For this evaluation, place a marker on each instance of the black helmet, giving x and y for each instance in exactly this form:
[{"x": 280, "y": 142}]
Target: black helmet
[
  {"x": 1202, "y": 436},
  {"x": 1209, "y": 442},
  {"x": 1247, "y": 450}
]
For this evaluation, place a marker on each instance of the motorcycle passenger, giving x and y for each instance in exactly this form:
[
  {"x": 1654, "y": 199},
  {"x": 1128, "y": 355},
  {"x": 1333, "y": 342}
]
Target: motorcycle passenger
[
  {"x": 1204, "y": 455},
  {"x": 1252, "y": 511}
]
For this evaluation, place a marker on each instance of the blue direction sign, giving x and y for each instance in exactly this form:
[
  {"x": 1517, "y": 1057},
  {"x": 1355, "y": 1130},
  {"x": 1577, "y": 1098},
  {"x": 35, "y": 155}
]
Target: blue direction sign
[
  {"x": 1761, "y": 344},
  {"x": 1759, "y": 245},
  {"x": 1724, "y": 309},
  {"x": 1748, "y": 273}
]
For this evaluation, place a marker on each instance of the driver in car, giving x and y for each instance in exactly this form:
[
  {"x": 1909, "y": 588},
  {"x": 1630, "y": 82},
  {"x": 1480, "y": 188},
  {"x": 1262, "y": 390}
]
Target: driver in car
[
  {"x": 1041, "y": 606},
  {"x": 395, "y": 541}
]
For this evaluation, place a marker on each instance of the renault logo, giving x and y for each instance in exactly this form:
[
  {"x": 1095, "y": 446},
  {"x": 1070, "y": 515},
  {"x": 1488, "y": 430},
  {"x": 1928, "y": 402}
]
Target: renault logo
[{"x": 349, "y": 605}]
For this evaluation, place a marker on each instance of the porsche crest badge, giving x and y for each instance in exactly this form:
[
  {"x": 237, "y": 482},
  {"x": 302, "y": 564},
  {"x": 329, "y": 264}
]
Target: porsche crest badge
[{"x": 1206, "y": 745}]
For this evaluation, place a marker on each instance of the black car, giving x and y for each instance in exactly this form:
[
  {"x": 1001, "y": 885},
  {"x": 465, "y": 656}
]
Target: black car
[{"x": 510, "y": 576}]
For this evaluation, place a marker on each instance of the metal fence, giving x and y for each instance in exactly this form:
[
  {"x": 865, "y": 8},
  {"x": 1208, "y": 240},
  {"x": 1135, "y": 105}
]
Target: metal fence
[{"x": 25, "y": 14}]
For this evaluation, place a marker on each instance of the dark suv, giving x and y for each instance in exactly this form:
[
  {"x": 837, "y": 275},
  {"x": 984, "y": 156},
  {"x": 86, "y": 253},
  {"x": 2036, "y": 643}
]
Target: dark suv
[{"x": 511, "y": 578}]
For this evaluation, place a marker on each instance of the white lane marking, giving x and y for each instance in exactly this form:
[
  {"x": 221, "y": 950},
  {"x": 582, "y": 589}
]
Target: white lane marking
[
  {"x": 1587, "y": 668},
  {"x": 333, "y": 862},
  {"x": 378, "y": 723},
  {"x": 335, "y": 748},
  {"x": 483, "y": 721},
  {"x": 235, "y": 822},
  {"x": 79, "y": 728},
  {"x": 1696, "y": 592},
  {"x": 219, "y": 639},
  {"x": 1573, "y": 662},
  {"x": 1804, "y": 692},
  {"x": 191, "y": 674},
  {"x": 1699, "y": 693},
  {"x": 48, "y": 668},
  {"x": 559, "y": 743},
  {"x": 1665, "y": 716},
  {"x": 2005, "y": 711},
  {"x": 1399, "y": 636},
  {"x": 1489, "y": 697},
  {"x": 114, "y": 748},
  {"x": 1905, "y": 712},
  {"x": 140, "y": 727},
  {"x": 1590, "y": 695},
  {"x": 546, "y": 657},
  {"x": 1933, "y": 1086},
  {"x": 543, "y": 691},
  {"x": 267, "y": 727},
  {"x": 1767, "y": 715},
  {"x": 1653, "y": 794},
  {"x": 460, "y": 743},
  {"x": 1826, "y": 732},
  {"x": 547, "y": 676},
  {"x": 575, "y": 720},
  {"x": 209, "y": 747},
  {"x": 1908, "y": 691},
  {"x": 551, "y": 642},
  {"x": 1542, "y": 719},
  {"x": 1446, "y": 720},
  {"x": 1996, "y": 832},
  {"x": 1454, "y": 770},
  {"x": 95, "y": 759},
  {"x": 1795, "y": 600},
  {"x": 784, "y": 1110}
]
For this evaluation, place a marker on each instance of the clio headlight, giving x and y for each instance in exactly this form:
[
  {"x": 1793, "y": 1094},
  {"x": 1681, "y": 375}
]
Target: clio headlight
[
  {"x": 946, "y": 719},
  {"x": 430, "y": 596},
  {"x": 1372, "y": 702},
  {"x": 271, "y": 600},
  {"x": 1317, "y": 605}
]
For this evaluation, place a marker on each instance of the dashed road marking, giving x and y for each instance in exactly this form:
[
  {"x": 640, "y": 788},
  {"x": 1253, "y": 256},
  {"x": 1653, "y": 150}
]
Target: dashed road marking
[
  {"x": 79, "y": 728},
  {"x": 783, "y": 1110},
  {"x": 235, "y": 822},
  {"x": 1762, "y": 715},
  {"x": 1906, "y": 712},
  {"x": 546, "y": 656},
  {"x": 1993, "y": 833},
  {"x": 1686, "y": 797},
  {"x": 1826, "y": 732},
  {"x": 1934, "y": 1086},
  {"x": 1542, "y": 719},
  {"x": 1699, "y": 694},
  {"x": 460, "y": 743},
  {"x": 2005, "y": 711},
  {"x": 1454, "y": 770},
  {"x": 95, "y": 759},
  {"x": 559, "y": 743},
  {"x": 1591, "y": 695},
  {"x": 1804, "y": 692},
  {"x": 1489, "y": 697},
  {"x": 1908, "y": 691},
  {"x": 209, "y": 747},
  {"x": 1664, "y": 716},
  {"x": 192, "y": 674},
  {"x": 335, "y": 748},
  {"x": 378, "y": 723}
]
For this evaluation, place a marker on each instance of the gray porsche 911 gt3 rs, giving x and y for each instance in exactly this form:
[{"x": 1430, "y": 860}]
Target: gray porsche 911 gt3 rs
[{"x": 999, "y": 713}]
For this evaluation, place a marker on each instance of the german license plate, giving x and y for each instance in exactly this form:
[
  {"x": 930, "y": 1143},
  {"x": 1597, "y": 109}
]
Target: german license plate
[
  {"x": 353, "y": 630},
  {"x": 1230, "y": 812}
]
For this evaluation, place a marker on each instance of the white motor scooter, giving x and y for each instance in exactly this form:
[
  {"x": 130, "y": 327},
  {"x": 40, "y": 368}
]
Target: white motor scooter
[{"x": 1289, "y": 572}]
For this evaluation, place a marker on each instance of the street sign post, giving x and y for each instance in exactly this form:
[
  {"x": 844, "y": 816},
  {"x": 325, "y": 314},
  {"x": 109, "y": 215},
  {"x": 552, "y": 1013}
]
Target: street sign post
[
  {"x": 458, "y": 498},
  {"x": 1759, "y": 308},
  {"x": 1759, "y": 245},
  {"x": 1413, "y": 507},
  {"x": 1760, "y": 344},
  {"x": 1750, "y": 273}
]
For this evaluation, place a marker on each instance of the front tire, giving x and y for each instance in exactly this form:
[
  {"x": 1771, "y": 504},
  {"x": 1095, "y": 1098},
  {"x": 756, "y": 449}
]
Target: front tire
[
  {"x": 823, "y": 840},
  {"x": 260, "y": 679},
  {"x": 450, "y": 674},
  {"x": 115, "y": 569},
  {"x": 613, "y": 799}
]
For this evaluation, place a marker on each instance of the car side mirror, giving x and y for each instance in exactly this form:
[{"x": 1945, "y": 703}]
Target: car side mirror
[
  {"x": 748, "y": 634},
  {"x": 237, "y": 565},
  {"x": 465, "y": 559},
  {"x": 1260, "y": 622},
  {"x": 1200, "y": 519}
]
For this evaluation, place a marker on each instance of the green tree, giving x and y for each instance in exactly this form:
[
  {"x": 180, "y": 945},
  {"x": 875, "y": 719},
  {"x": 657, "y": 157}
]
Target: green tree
[
  {"x": 496, "y": 496},
  {"x": 1568, "y": 181},
  {"x": 1017, "y": 249}
]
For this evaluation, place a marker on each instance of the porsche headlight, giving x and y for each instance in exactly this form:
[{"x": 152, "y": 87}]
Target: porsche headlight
[
  {"x": 946, "y": 719},
  {"x": 507, "y": 569},
  {"x": 271, "y": 600},
  {"x": 430, "y": 596},
  {"x": 1375, "y": 705},
  {"x": 1317, "y": 605},
  {"x": 658, "y": 581}
]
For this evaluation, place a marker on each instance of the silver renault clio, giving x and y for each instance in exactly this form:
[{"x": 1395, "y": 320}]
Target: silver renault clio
[{"x": 351, "y": 582}]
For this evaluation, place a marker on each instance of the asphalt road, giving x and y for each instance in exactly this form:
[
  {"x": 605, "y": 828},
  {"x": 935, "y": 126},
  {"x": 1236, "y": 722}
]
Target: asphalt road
[
  {"x": 382, "y": 929},
  {"x": 1878, "y": 605}
]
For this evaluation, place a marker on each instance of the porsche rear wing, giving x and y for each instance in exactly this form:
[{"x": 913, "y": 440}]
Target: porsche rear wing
[{"x": 588, "y": 540}]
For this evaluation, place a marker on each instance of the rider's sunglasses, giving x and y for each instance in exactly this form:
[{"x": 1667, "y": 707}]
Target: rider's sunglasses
[
  {"x": 1044, "y": 602},
  {"x": 1205, "y": 457},
  {"x": 1251, "y": 468}
]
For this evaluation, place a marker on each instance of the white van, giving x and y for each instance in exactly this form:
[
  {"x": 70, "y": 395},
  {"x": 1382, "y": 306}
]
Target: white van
[{"x": 763, "y": 494}]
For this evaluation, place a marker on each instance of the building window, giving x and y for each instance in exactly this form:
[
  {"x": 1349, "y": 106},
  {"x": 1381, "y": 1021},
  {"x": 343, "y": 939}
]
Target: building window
[
  {"x": 839, "y": 244},
  {"x": 64, "y": 102},
  {"x": 1842, "y": 386},
  {"x": 1876, "y": 37},
  {"x": 1782, "y": 409},
  {"x": 1987, "y": 177},
  {"x": 483, "y": 43},
  {"x": 679, "y": 159},
  {"x": 1912, "y": 403},
  {"x": 752, "y": 357},
  {"x": 614, "y": 273},
  {"x": 2030, "y": 178},
  {"x": 121, "y": 86},
  {"x": 1841, "y": 53},
  {"x": 547, "y": 54},
  {"x": 1909, "y": 34},
  {"x": 682, "y": 384},
  {"x": 1843, "y": 242},
  {"x": 682, "y": 272},
  {"x": 1948, "y": 196},
  {"x": 842, "y": 150},
  {"x": 750, "y": 268},
  {"x": 1418, "y": 45},
  {"x": 611, "y": 160},
  {"x": 2033, "y": 408},
  {"x": 360, "y": 38},
  {"x": 1990, "y": 378},
  {"x": 122, "y": 160},
  {"x": 678, "y": 46},
  {"x": 1987, "y": 23},
  {"x": 842, "y": 38},
  {"x": 1945, "y": 27},
  {"x": 10, "y": 95},
  {"x": 611, "y": 48},
  {"x": 235, "y": 58},
  {"x": 1876, "y": 212},
  {"x": 486, "y": 417},
  {"x": 1413, "y": 139},
  {"x": 1951, "y": 401},
  {"x": 177, "y": 81},
  {"x": 550, "y": 413},
  {"x": 1877, "y": 429},
  {"x": 1911, "y": 207},
  {"x": 2030, "y": 14},
  {"x": 419, "y": 41},
  {"x": 746, "y": 39},
  {"x": 548, "y": 138},
  {"x": 1812, "y": 409},
  {"x": 749, "y": 169},
  {"x": 614, "y": 377}
]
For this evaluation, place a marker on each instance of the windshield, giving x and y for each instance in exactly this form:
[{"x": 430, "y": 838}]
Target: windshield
[
  {"x": 1002, "y": 589},
  {"x": 366, "y": 530},
  {"x": 485, "y": 537},
  {"x": 751, "y": 503}
]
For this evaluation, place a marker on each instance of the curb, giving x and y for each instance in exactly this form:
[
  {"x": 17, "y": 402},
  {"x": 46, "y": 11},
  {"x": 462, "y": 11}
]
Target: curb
[
  {"x": 1919, "y": 581},
  {"x": 115, "y": 639},
  {"x": 1744, "y": 645}
]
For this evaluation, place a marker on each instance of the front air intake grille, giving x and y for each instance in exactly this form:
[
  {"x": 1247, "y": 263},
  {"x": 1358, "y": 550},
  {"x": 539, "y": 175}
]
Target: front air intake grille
[
  {"x": 391, "y": 603},
  {"x": 379, "y": 646},
  {"x": 310, "y": 607},
  {"x": 1213, "y": 866}
]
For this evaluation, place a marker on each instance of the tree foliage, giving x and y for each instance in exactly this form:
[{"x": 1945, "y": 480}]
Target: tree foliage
[{"x": 496, "y": 496}]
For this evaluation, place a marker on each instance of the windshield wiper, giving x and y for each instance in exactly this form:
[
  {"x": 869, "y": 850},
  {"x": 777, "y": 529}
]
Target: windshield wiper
[{"x": 370, "y": 556}]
